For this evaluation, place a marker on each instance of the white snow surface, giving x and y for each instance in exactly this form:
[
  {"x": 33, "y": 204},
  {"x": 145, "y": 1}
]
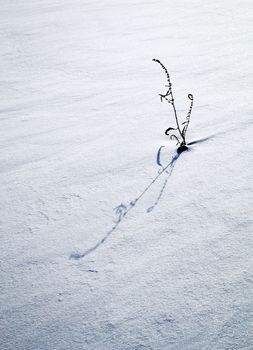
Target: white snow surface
[{"x": 81, "y": 124}]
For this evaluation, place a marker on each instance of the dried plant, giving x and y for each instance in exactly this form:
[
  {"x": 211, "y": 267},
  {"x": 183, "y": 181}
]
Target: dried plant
[{"x": 168, "y": 96}]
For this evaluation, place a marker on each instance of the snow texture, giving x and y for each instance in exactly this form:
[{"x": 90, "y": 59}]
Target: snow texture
[{"x": 82, "y": 133}]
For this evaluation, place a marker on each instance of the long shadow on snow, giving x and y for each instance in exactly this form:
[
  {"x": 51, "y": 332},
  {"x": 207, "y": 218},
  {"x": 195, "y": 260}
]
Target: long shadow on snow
[
  {"x": 169, "y": 173},
  {"x": 122, "y": 210}
]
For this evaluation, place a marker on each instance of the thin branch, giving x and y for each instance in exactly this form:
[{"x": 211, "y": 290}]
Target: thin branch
[
  {"x": 190, "y": 96},
  {"x": 169, "y": 94}
]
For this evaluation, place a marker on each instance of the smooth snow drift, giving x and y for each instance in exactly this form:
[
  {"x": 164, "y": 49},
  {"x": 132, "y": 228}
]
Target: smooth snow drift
[{"x": 82, "y": 125}]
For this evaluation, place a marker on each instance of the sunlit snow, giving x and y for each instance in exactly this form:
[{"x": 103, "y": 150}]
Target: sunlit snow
[{"x": 107, "y": 244}]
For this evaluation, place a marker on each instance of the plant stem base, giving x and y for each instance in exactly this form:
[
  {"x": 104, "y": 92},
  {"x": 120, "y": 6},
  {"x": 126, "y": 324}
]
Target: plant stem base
[{"x": 182, "y": 149}]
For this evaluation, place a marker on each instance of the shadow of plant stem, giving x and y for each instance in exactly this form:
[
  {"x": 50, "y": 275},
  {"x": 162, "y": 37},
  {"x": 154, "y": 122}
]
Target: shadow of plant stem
[
  {"x": 168, "y": 172},
  {"x": 168, "y": 96},
  {"x": 123, "y": 209}
]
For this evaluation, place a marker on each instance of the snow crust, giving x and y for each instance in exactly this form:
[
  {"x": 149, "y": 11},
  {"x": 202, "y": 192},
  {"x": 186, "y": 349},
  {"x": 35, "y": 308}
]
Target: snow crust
[{"x": 81, "y": 124}]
